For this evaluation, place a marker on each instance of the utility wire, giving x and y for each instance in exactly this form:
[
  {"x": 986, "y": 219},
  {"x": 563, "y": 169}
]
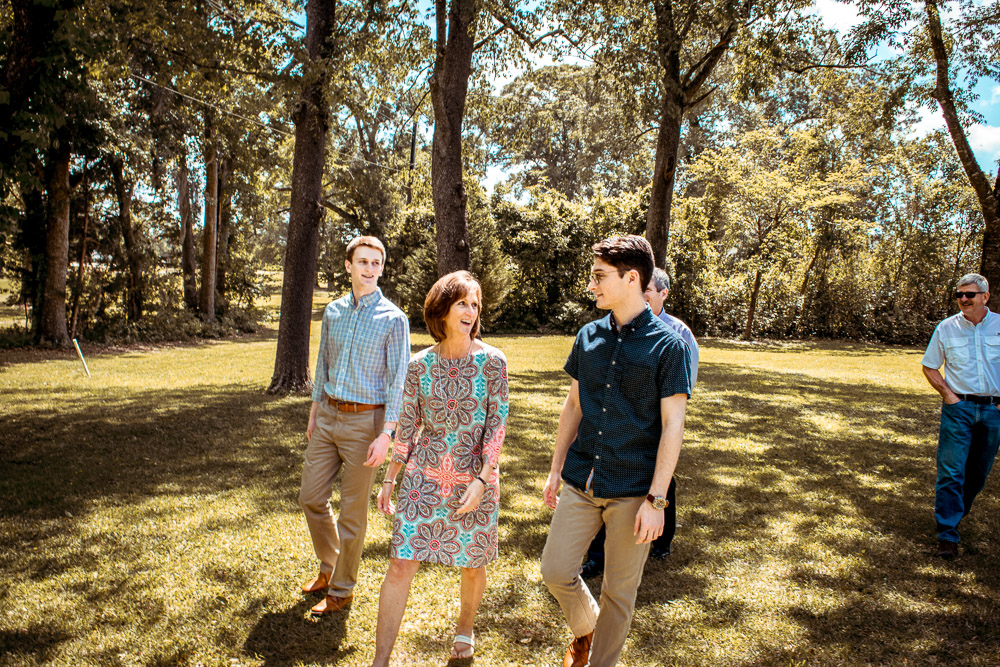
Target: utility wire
[{"x": 213, "y": 106}]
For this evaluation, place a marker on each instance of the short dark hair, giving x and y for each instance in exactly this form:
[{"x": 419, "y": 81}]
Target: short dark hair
[
  {"x": 366, "y": 241},
  {"x": 627, "y": 253},
  {"x": 446, "y": 291}
]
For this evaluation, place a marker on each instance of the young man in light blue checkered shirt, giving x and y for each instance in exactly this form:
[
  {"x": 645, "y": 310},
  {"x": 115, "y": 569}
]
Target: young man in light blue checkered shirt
[{"x": 364, "y": 349}]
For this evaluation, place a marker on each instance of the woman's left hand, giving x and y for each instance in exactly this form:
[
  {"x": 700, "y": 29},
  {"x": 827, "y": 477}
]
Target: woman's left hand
[{"x": 472, "y": 496}]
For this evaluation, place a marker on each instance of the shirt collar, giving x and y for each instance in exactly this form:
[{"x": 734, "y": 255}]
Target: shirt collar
[
  {"x": 638, "y": 322},
  {"x": 367, "y": 299},
  {"x": 966, "y": 322}
]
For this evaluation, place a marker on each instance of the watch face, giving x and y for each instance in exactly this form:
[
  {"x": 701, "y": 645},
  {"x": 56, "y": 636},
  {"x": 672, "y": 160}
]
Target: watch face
[{"x": 660, "y": 503}]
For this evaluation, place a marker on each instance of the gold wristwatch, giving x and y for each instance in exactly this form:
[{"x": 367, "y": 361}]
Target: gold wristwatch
[{"x": 658, "y": 502}]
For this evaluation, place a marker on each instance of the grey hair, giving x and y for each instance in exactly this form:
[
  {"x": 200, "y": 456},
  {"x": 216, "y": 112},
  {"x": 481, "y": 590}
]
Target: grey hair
[
  {"x": 974, "y": 279},
  {"x": 660, "y": 279}
]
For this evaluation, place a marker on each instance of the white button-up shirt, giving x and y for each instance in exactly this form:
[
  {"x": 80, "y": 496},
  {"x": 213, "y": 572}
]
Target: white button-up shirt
[{"x": 969, "y": 352}]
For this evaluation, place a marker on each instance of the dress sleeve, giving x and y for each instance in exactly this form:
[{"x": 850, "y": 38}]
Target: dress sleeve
[
  {"x": 496, "y": 408},
  {"x": 410, "y": 415}
]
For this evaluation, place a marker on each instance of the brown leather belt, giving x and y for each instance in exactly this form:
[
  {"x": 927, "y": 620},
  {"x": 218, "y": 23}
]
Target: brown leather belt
[{"x": 346, "y": 406}]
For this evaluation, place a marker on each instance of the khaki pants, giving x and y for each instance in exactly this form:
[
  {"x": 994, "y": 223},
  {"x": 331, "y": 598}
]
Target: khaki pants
[
  {"x": 339, "y": 443},
  {"x": 577, "y": 519}
]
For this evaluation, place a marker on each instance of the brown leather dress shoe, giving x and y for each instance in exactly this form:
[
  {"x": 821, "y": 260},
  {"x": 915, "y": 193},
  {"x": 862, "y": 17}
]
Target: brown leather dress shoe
[
  {"x": 320, "y": 583},
  {"x": 331, "y": 604},
  {"x": 578, "y": 653}
]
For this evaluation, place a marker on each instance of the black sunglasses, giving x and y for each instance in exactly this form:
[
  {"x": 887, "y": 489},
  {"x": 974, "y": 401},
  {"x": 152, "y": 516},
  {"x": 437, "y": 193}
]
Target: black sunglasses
[{"x": 966, "y": 295}]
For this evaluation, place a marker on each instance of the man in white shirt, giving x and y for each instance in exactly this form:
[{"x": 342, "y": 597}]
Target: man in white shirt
[{"x": 968, "y": 346}]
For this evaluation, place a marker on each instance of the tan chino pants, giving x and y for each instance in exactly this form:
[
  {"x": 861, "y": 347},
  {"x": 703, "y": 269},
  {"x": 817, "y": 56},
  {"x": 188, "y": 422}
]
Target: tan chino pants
[
  {"x": 577, "y": 519},
  {"x": 339, "y": 444}
]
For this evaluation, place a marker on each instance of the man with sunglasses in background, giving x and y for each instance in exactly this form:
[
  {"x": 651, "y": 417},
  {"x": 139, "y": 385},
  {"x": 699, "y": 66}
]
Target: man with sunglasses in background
[{"x": 968, "y": 346}]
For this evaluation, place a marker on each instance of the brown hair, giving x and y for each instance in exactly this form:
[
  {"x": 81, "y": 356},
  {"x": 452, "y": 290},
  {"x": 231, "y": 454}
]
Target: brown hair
[
  {"x": 627, "y": 253},
  {"x": 366, "y": 241},
  {"x": 446, "y": 291}
]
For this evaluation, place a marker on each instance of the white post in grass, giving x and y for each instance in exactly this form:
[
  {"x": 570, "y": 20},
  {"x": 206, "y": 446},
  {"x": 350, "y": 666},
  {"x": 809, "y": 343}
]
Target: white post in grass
[{"x": 82, "y": 360}]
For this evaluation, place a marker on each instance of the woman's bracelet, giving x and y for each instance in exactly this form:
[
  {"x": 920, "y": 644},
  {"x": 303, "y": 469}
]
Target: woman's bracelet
[
  {"x": 389, "y": 481},
  {"x": 482, "y": 480}
]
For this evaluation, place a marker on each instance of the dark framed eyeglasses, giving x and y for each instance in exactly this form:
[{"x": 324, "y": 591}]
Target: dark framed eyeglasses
[{"x": 966, "y": 295}]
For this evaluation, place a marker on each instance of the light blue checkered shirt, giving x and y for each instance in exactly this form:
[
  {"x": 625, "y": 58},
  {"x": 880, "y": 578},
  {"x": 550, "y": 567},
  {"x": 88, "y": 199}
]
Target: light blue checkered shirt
[{"x": 364, "y": 350}]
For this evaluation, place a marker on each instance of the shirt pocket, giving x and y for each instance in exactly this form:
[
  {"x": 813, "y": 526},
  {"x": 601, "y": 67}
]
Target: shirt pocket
[
  {"x": 636, "y": 380},
  {"x": 991, "y": 346},
  {"x": 957, "y": 351}
]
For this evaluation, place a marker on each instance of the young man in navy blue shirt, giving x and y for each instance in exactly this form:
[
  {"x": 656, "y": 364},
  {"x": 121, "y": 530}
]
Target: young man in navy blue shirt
[{"x": 619, "y": 437}]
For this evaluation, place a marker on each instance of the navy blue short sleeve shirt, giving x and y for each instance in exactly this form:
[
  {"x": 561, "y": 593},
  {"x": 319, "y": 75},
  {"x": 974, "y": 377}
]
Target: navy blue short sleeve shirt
[{"x": 623, "y": 373}]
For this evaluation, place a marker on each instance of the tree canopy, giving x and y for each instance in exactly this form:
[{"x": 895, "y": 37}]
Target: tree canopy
[{"x": 160, "y": 160}]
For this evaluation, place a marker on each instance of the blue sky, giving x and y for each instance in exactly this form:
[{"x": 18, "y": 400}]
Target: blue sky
[{"x": 985, "y": 138}]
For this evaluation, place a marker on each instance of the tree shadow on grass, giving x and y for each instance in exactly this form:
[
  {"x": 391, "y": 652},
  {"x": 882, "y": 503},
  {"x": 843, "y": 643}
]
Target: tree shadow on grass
[
  {"x": 846, "y": 348},
  {"x": 282, "y": 639},
  {"x": 809, "y": 456},
  {"x": 141, "y": 444},
  {"x": 34, "y": 644}
]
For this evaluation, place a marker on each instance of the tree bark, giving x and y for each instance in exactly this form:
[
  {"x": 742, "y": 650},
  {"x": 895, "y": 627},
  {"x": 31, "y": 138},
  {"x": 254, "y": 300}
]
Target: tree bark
[
  {"x": 225, "y": 217},
  {"x": 753, "y": 305},
  {"x": 989, "y": 201},
  {"x": 124, "y": 189},
  {"x": 661, "y": 196},
  {"x": 52, "y": 328},
  {"x": 188, "y": 259},
  {"x": 449, "y": 87},
  {"x": 83, "y": 252},
  {"x": 681, "y": 91},
  {"x": 206, "y": 300},
  {"x": 312, "y": 125}
]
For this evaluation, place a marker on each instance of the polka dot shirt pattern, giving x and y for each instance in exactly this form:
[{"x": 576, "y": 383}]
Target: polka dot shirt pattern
[{"x": 623, "y": 373}]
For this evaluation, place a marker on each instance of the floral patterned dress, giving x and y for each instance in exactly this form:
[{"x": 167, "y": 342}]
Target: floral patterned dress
[{"x": 453, "y": 420}]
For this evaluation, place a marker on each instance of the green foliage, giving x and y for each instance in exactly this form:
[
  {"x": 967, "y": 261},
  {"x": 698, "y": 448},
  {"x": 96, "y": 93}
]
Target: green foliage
[{"x": 549, "y": 241}]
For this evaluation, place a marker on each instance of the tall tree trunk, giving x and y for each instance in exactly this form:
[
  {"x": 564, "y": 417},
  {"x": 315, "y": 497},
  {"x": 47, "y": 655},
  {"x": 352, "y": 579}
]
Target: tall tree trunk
[
  {"x": 83, "y": 252},
  {"x": 188, "y": 259},
  {"x": 449, "y": 86},
  {"x": 681, "y": 91},
  {"x": 989, "y": 197},
  {"x": 225, "y": 218},
  {"x": 753, "y": 305},
  {"x": 668, "y": 141},
  {"x": 31, "y": 237},
  {"x": 312, "y": 124},
  {"x": 52, "y": 328},
  {"x": 206, "y": 300},
  {"x": 124, "y": 190},
  {"x": 413, "y": 164}
]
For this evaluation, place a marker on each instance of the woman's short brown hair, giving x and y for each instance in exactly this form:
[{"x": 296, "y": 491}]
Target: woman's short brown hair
[{"x": 446, "y": 291}]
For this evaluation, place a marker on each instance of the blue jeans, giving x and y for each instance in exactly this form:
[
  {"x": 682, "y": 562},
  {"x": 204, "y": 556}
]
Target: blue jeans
[{"x": 967, "y": 445}]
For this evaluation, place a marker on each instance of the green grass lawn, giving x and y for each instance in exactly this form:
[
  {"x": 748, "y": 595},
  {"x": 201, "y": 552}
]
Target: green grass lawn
[{"x": 148, "y": 516}]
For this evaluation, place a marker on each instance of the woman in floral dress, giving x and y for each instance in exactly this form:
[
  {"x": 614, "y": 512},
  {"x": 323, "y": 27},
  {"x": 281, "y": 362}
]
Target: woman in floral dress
[{"x": 451, "y": 429}]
